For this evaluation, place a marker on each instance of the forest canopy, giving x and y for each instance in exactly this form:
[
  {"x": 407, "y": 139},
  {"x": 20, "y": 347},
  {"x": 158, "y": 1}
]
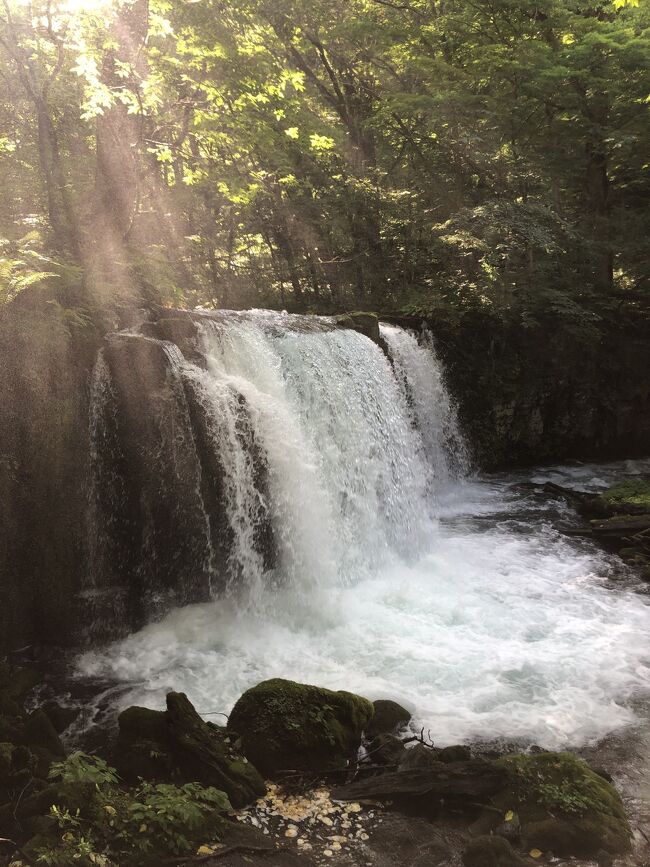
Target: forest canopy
[{"x": 398, "y": 155}]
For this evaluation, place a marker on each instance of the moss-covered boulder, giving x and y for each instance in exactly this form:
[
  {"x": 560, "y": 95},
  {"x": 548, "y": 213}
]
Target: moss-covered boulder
[
  {"x": 629, "y": 497},
  {"x": 293, "y": 726},
  {"x": 388, "y": 717},
  {"x": 177, "y": 745},
  {"x": 564, "y": 806}
]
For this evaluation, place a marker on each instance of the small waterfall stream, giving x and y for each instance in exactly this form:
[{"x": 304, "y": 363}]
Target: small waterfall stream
[{"x": 342, "y": 542}]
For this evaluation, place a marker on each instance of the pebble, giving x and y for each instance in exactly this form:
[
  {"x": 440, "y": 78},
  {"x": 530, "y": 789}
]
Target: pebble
[{"x": 298, "y": 817}]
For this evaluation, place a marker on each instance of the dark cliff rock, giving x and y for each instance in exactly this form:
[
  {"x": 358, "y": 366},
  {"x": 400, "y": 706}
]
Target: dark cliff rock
[
  {"x": 543, "y": 394},
  {"x": 525, "y": 395},
  {"x": 46, "y": 356},
  {"x": 532, "y": 398},
  {"x": 160, "y": 537}
]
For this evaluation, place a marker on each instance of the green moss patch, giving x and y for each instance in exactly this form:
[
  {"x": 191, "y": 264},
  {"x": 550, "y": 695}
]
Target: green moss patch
[
  {"x": 564, "y": 806},
  {"x": 292, "y": 726},
  {"x": 632, "y": 493}
]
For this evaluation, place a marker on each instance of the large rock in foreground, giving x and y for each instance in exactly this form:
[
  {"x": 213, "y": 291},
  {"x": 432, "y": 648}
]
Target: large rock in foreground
[
  {"x": 564, "y": 807},
  {"x": 292, "y": 726},
  {"x": 177, "y": 744}
]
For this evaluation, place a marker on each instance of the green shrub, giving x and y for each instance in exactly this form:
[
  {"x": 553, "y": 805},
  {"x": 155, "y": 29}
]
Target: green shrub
[{"x": 127, "y": 827}]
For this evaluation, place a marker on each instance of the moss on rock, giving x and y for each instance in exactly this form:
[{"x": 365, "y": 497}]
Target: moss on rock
[
  {"x": 285, "y": 725},
  {"x": 564, "y": 806},
  {"x": 630, "y": 496},
  {"x": 178, "y": 745}
]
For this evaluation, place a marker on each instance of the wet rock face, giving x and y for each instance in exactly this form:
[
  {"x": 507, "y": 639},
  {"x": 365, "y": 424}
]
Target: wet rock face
[
  {"x": 364, "y": 323},
  {"x": 45, "y": 364},
  {"x": 532, "y": 395},
  {"x": 291, "y": 726},
  {"x": 150, "y": 484}
]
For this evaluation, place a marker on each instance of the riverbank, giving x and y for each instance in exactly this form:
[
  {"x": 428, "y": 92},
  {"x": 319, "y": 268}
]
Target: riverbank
[{"x": 400, "y": 800}]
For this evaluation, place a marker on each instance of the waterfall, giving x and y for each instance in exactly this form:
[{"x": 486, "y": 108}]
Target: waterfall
[
  {"x": 419, "y": 372},
  {"x": 306, "y": 454},
  {"x": 347, "y": 470},
  {"x": 281, "y": 498}
]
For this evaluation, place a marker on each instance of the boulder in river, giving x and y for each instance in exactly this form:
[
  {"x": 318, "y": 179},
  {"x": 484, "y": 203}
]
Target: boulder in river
[
  {"x": 177, "y": 744},
  {"x": 563, "y": 805},
  {"x": 389, "y": 716},
  {"x": 293, "y": 726},
  {"x": 631, "y": 497}
]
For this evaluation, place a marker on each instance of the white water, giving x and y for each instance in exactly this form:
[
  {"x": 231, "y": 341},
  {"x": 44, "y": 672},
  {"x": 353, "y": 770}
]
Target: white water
[{"x": 394, "y": 578}]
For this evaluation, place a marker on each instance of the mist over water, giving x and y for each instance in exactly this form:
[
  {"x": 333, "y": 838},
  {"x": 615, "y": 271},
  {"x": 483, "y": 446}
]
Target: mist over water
[{"x": 393, "y": 573}]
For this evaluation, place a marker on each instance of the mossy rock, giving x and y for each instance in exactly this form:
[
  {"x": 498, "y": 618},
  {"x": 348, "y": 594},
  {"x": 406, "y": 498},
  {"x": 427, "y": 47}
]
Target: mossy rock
[
  {"x": 177, "y": 745},
  {"x": 489, "y": 851},
  {"x": 631, "y": 496},
  {"x": 143, "y": 724},
  {"x": 293, "y": 726},
  {"x": 388, "y": 717},
  {"x": 582, "y": 837},
  {"x": 419, "y": 758},
  {"x": 564, "y": 806}
]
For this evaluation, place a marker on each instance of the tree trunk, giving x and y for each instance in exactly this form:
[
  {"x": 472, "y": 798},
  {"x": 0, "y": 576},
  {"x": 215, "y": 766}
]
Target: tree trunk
[
  {"x": 60, "y": 212},
  {"x": 598, "y": 197}
]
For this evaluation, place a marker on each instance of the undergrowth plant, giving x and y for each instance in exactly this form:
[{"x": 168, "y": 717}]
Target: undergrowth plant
[{"x": 117, "y": 826}]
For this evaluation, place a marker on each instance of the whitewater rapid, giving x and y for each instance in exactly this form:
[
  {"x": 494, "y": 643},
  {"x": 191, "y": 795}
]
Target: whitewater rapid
[{"x": 397, "y": 575}]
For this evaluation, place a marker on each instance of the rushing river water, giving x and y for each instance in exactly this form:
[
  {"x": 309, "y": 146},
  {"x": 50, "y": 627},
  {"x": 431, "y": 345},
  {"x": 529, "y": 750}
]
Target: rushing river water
[{"x": 396, "y": 573}]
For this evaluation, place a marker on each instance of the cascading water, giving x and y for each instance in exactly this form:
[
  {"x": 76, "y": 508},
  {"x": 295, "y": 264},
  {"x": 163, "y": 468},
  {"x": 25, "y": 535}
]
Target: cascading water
[
  {"x": 356, "y": 556},
  {"x": 420, "y": 376}
]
